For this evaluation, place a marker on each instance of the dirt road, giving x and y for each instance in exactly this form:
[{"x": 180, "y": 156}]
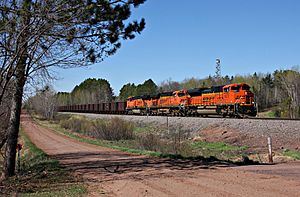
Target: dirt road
[{"x": 113, "y": 173}]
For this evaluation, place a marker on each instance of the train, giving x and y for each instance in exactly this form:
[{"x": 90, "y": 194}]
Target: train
[{"x": 232, "y": 100}]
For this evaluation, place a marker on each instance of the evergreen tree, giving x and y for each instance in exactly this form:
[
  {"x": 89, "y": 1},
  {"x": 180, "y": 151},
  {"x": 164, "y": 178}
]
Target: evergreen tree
[
  {"x": 127, "y": 91},
  {"x": 147, "y": 88}
]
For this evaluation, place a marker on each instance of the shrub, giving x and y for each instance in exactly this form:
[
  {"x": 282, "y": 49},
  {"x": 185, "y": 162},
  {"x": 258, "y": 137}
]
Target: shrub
[
  {"x": 77, "y": 123},
  {"x": 113, "y": 129},
  {"x": 150, "y": 141}
]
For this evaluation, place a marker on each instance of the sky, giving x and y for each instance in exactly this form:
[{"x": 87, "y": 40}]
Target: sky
[{"x": 182, "y": 39}]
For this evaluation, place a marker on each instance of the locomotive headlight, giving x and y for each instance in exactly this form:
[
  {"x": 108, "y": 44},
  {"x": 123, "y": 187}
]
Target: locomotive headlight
[{"x": 245, "y": 93}]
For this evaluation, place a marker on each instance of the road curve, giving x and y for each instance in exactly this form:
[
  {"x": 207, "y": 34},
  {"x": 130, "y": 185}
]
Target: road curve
[{"x": 113, "y": 173}]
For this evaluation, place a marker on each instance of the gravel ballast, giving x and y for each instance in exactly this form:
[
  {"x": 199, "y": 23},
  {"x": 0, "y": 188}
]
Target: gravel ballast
[{"x": 285, "y": 133}]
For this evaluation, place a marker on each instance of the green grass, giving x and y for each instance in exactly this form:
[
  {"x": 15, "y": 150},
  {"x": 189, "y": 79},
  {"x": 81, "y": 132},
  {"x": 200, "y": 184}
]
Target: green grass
[
  {"x": 40, "y": 175},
  {"x": 218, "y": 146},
  {"x": 217, "y": 149},
  {"x": 292, "y": 153},
  {"x": 77, "y": 190},
  {"x": 267, "y": 114}
]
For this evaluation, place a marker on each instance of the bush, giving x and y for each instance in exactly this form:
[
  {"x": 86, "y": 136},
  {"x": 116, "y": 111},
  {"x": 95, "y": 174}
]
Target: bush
[
  {"x": 77, "y": 123},
  {"x": 114, "y": 129},
  {"x": 150, "y": 141}
]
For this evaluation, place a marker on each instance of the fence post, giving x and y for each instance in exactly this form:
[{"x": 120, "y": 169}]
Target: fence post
[
  {"x": 270, "y": 150},
  {"x": 168, "y": 124}
]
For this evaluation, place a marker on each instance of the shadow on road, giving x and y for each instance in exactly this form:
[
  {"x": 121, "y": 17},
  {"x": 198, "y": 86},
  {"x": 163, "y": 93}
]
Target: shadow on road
[{"x": 115, "y": 166}]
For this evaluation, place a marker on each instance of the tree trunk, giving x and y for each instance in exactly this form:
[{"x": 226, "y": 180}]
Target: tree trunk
[
  {"x": 14, "y": 123},
  {"x": 2, "y": 142},
  {"x": 9, "y": 162}
]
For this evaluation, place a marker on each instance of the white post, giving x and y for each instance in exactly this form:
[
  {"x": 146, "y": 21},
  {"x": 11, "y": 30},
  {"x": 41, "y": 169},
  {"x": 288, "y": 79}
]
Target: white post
[
  {"x": 256, "y": 109},
  {"x": 168, "y": 124},
  {"x": 270, "y": 150}
]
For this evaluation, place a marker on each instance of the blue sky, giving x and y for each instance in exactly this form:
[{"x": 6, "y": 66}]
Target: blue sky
[{"x": 182, "y": 39}]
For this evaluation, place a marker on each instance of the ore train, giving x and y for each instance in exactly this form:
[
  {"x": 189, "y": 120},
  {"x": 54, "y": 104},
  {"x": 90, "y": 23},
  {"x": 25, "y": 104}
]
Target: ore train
[{"x": 233, "y": 100}]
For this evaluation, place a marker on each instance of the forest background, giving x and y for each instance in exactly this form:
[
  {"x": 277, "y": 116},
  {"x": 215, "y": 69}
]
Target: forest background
[{"x": 278, "y": 93}]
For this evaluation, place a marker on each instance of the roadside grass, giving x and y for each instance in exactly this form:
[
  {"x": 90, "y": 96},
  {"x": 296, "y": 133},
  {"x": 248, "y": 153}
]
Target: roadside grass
[
  {"x": 292, "y": 153},
  {"x": 146, "y": 140},
  {"x": 218, "y": 149},
  {"x": 40, "y": 175},
  {"x": 267, "y": 114},
  {"x": 122, "y": 145}
]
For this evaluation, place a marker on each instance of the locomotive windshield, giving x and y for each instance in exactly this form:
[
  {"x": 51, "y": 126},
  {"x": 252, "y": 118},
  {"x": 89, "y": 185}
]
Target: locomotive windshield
[
  {"x": 235, "y": 88},
  {"x": 245, "y": 87}
]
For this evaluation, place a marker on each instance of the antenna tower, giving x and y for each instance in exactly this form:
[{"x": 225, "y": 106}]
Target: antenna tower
[{"x": 218, "y": 69}]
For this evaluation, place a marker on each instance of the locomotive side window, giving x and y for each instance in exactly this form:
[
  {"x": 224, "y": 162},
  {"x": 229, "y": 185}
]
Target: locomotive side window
[
  {"x": 226, "y": 89},
  {"x": 181, "y": 94},
  {"x": 235, "y": 88}
]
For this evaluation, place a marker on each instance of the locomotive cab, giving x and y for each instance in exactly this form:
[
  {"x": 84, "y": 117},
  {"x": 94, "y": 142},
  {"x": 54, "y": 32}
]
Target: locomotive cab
[{"x": 240, "y": 96}]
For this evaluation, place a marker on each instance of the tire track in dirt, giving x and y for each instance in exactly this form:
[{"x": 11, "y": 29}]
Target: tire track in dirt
[{"x": 144, "y": 176}]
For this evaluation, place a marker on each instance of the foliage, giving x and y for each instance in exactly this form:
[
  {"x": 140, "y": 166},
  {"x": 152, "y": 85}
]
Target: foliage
[
  {"x": 92, "y": 91},
  {"x": 292, "y": 153},
  {"x": 150, "y": 141},
  {"x": 147, "y": 88},
  {"x": 77, "y": 124},
  {"x": 217, "y": 149},
  {"x": 43, "y": 102},
  {"x": 114, "y": 129},
  {"x": 127, "y": 90},
  {"x": 288, "y": 82},
  {"x": 64, "y": 98},
  {"x": 169, "y": 85},
  {"x": 89, "y": 91}
]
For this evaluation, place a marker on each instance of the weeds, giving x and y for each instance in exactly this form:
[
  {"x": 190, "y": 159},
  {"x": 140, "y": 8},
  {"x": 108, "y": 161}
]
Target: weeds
[
  {"x": 114, "y": 129},
  {"x": 217, "y": 149},
  {"x": 150, "y": 141},
  {"x": 292, "y": 153},
  {"x": 139, "y": 137},
  {"x": 41, "y": 176}
]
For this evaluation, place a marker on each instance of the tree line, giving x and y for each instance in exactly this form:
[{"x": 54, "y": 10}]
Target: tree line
[
  {"x": 94, "y": 90},
  {"x": 278, "y": 91}
]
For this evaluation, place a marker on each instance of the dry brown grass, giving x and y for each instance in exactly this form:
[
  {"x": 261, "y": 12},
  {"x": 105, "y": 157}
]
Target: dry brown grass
[{"x": 114, "y": 129}]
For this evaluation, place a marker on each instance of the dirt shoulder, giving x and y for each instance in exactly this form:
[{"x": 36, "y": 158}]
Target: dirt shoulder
[{"x": 115, "y": 173}]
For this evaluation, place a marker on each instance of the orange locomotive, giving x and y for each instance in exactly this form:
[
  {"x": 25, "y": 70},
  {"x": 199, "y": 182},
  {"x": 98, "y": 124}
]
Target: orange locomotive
[{"x": 234, "y": 100}]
